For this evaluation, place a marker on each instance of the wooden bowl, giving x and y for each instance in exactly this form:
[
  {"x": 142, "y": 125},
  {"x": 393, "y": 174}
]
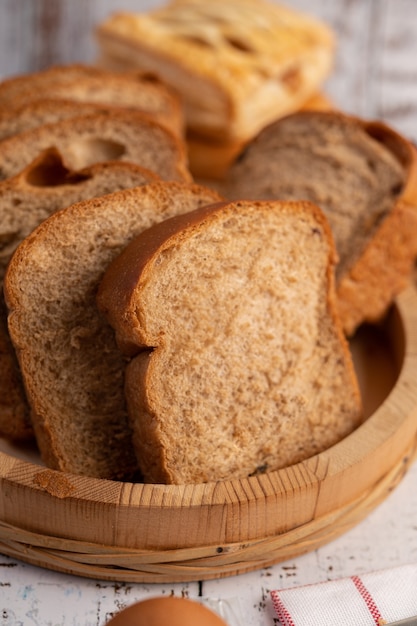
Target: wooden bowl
[{"x": 157, "y": 533}]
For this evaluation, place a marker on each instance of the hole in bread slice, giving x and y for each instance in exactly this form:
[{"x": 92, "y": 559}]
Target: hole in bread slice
[
  {"x": 49, "y": 170},
  {"x": 249, "y": 371}
]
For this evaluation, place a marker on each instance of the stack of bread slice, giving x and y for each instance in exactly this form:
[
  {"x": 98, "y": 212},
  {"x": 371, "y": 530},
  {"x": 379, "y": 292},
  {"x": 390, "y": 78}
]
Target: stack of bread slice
[
  {"x": 71, "y": 133},
  {"x": 184, "y": 250},
  {"x": 91, "y": 115}
]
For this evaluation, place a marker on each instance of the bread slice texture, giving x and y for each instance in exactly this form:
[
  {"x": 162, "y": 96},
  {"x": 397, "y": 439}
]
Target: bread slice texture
[
  {"x": 88, "y": 85},
  {"x": 72, "y": 369},
  {"x": 238, "y": 361},
  {"x": 28, "y": 116},
  {"x": 236, "y": 64},
  {"x": 362, "y": 175},
  {"x": 14, "y": 86},
  {"x": 211, "y": 159},
  {"x": 25, "y": 201},
  {"x": 106, "y": 136},
  {"x": 22, "y": 118}
]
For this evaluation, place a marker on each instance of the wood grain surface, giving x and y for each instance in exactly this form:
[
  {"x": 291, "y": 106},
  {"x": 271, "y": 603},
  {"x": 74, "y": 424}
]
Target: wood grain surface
[{"x": 375, "y": 75}]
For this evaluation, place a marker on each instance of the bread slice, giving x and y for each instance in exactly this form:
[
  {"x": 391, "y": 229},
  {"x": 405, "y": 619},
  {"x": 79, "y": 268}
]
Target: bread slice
[
  {"x": 211, "y": 159},
  {"x": 40, "y": 112},
  {"x": 71, "y": 367},
  {"x": 363, "y": 176},
  {"x": 14, "y": 86},
  {"x": 89, "y": 85},
  {"x": 28, "y": 116},
  {"x": 25, "y": 201},
  {"x": 239, "y": 364},
  {"x": 105, "y": 136},
  {"x": 237, "y": 64}
]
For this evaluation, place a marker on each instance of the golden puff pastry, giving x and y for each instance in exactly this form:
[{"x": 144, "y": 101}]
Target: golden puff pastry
[{"x": 237, "y": 64}]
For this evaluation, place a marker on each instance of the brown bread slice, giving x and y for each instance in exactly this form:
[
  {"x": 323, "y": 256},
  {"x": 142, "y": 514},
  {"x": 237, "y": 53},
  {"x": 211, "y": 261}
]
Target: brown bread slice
[
  {"x": 25, "y": 201},
  {"x": 93, "y": 85},
  {"x": 14, "y": 86},
  {"x": 363, "y": 176},
  {"x": 33, "y": 114},
  {"x": 105, "y": 136},
  {"x": 72, "y": 369},
  {"x": 239, "y": 361},
  {"x": 25, "y": 117},
  {"x": 211, "y": 159}
]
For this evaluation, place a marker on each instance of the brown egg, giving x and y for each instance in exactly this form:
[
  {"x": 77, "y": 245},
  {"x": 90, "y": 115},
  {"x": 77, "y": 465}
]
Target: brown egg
[{"x": 166, "y": 610}]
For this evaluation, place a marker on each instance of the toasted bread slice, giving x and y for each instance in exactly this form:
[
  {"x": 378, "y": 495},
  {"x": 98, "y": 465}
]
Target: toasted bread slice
[
  {"x": 105, "y": 136},
  {"x": 363, "y": 176},
  {"x": 88, "y": 85},
  {"x": 72, "y": 369},
  {"x": 239, "y": 363},
  {"x": 25, "y": 201}
]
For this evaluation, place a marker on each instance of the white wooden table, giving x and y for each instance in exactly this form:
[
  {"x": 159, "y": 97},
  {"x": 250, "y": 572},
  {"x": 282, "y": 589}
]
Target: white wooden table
[{"x": 375, "y": 76}]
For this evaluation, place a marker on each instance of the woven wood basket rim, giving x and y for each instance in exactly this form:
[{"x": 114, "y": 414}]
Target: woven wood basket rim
[{"x": 205, "y": 562}]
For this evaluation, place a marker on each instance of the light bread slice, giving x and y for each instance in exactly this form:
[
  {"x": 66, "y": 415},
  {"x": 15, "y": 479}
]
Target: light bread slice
[
  {"x": 25, "y": 201},
  {"x": 92, "y": 85},
  {"x": 363, "y": 176},
  {"x": 105, "y": 136},
  {"x": 237, "y": 64},
  {"x": 239, "y": 364},
  {"x": 72, "y": 369}
]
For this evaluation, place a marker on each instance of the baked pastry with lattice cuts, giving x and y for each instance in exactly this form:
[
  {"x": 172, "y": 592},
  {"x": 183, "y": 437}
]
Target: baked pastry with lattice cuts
[{"x": 237, "y": 64}]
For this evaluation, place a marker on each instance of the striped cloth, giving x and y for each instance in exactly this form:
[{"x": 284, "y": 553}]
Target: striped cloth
[{"x": 371, "y": 599}]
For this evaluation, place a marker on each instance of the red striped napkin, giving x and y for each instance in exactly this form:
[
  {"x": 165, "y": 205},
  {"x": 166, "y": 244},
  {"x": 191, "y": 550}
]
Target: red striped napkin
[{"x": 371, "y": 599}]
